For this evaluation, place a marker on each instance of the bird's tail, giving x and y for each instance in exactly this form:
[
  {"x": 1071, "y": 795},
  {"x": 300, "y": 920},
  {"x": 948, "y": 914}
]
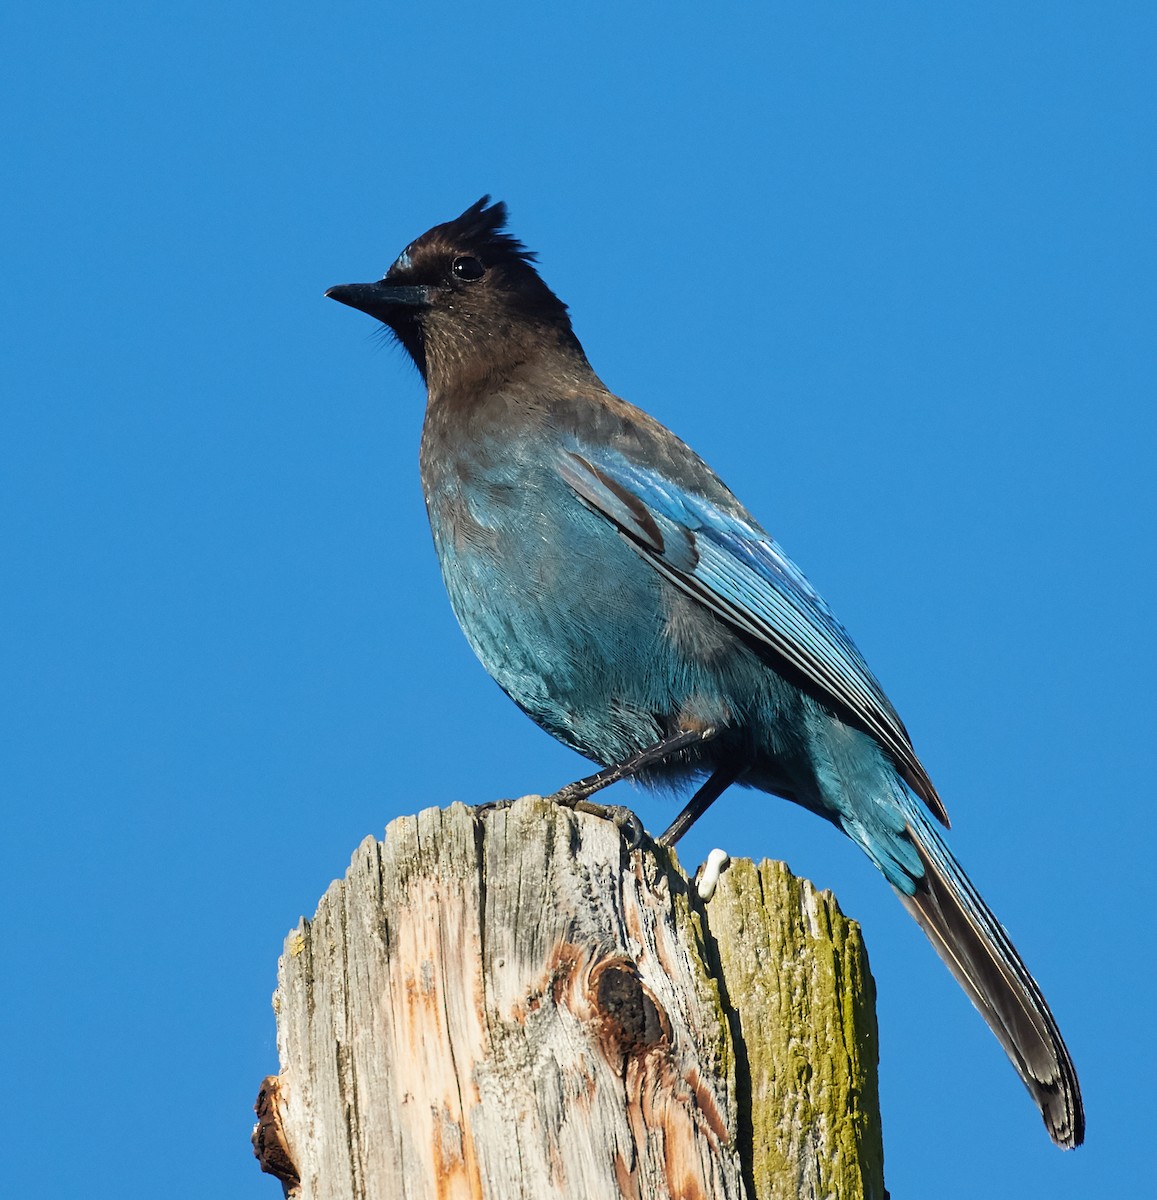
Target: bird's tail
[{"x": 979, "y": 953}]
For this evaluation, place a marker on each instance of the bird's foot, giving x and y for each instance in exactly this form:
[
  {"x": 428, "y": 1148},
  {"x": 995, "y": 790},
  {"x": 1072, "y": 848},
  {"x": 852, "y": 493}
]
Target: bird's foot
[
  {"x": 627, "y": 823},
  {"x": 489, "y": 806},
  {"x": 619, "y": 815}
]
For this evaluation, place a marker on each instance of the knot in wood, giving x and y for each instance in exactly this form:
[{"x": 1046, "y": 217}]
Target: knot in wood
[
  {"x": 631, "y": 1016},
  {"x": 270, "y": 1146}
]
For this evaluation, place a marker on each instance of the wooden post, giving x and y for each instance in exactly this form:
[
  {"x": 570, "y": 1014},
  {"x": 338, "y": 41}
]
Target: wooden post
[{"x": 510, "y": 1004}]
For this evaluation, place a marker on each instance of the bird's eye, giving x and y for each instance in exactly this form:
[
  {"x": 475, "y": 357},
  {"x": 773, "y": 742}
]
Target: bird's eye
[{"x": 467, "y": 268}]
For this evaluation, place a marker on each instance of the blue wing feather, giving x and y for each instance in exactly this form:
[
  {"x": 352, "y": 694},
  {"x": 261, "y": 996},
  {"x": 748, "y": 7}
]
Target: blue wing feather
[{"x": 734, "y": 568}]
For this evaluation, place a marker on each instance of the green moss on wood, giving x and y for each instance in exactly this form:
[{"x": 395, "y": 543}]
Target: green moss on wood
[{"x": 802, "y": 1009}]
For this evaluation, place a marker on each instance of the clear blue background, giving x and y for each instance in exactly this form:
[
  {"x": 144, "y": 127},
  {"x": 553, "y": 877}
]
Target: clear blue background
[{"x": 889, "y": 268}]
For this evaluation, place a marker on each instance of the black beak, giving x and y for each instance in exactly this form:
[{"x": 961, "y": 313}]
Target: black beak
[{"x": 379, "y": 299}]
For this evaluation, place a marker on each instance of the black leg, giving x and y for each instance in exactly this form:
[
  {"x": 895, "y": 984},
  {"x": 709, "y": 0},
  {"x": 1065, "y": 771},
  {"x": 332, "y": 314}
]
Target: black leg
[
  {"x": 581, "y": 789},
  {"x": 576, "y": 795},
  {"x": 717, "y": 783}
]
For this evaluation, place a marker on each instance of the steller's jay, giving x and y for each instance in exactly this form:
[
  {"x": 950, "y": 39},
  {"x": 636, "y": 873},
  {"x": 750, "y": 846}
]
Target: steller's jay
[{"x": 626, "y": 601}]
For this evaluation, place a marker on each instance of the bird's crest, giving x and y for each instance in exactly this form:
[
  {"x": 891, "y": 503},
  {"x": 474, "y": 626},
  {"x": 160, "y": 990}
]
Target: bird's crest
[
  {"x": 481, "y": 229},
  {"x": 483, "y": 226}
]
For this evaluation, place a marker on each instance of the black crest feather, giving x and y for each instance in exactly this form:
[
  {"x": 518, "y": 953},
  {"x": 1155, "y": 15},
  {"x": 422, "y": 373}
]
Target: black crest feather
[{"x": 482, "y": 227}]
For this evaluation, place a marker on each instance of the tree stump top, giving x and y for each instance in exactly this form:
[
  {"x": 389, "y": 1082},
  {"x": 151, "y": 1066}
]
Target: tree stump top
[{"x": 513, "y": 1004}]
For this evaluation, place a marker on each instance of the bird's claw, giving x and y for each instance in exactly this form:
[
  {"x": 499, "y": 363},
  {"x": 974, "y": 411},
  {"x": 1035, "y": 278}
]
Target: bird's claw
[
  {"x": 627, "y": 823},
  {"x": 489, "y": 806},
  {"x": 619, "y": 815}
]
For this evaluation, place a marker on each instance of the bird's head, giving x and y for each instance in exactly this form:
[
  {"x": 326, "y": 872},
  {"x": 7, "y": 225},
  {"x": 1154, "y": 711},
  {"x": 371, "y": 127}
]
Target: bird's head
[{"x": 464, "y": 299}]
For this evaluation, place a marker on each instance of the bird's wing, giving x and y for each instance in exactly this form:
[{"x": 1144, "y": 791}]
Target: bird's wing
[{"x": 734, "y": 569}]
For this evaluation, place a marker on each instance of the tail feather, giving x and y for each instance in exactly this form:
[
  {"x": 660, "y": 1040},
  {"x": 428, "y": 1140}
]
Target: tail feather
[{"x": 978, "y": 952}]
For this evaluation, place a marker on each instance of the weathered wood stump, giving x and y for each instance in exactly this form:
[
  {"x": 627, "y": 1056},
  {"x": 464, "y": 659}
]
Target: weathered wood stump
[{"x": 511, "y": 1004}]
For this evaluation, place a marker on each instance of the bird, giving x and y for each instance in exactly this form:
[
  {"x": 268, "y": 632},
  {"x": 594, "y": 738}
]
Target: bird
[{"x": 626, "y": 601}]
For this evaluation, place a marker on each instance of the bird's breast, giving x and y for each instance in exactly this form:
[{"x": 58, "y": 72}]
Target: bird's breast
[
  {"x": 518, "y": 549},
  {"x": 560, "y": 609}
]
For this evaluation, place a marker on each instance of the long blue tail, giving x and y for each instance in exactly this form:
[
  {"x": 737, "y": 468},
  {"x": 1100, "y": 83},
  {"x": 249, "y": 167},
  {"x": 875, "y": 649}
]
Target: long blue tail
[{"x": 978, "y": 952}]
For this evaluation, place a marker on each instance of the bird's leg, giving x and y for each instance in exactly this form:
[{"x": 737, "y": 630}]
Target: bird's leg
[
  {"x": 582, "y": 788},
  {"x": 577, "y": 795},
  {"x": 716, "y": 784}
]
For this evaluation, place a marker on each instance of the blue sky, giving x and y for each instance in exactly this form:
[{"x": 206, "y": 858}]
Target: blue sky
[{"x": 890, "y": 269}]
